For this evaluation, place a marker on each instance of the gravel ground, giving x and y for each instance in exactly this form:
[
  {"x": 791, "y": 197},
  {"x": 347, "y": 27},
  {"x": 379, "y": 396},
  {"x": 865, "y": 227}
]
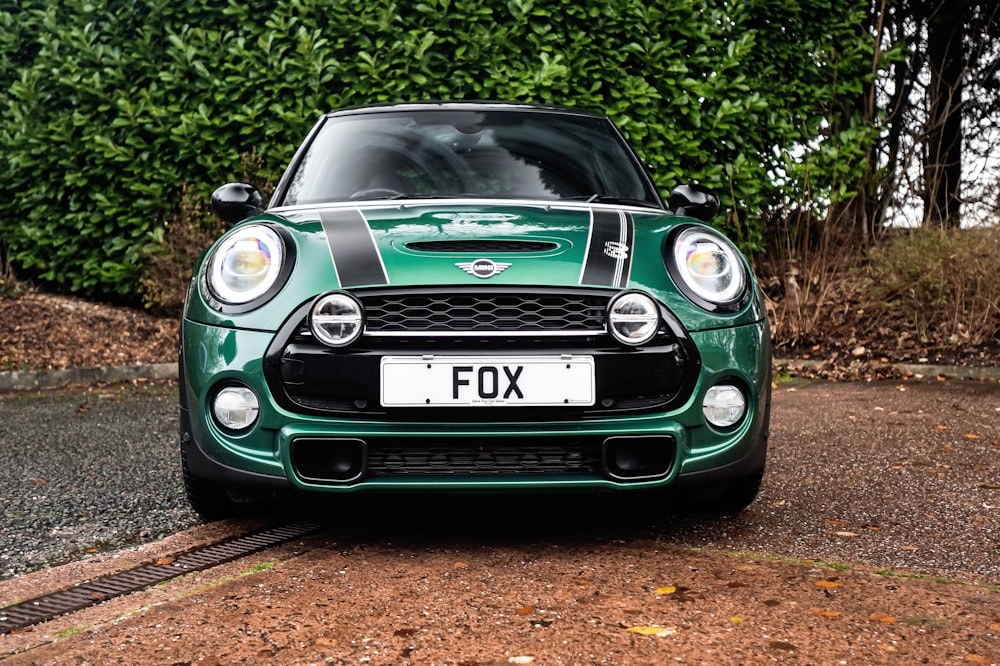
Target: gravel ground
[
  {"x": 87, "y": 471},
  {"x": 896, "y": 475}
]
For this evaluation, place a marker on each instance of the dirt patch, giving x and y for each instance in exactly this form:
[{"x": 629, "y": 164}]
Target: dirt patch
[{"x": 40, "y": 331}]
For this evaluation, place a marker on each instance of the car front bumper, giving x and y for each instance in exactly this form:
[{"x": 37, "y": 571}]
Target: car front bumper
[{"x": 292, "y": 448}]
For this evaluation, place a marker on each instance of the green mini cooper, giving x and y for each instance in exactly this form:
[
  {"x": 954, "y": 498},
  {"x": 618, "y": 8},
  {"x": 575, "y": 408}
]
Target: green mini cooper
[{"x": 469, "y": 296}]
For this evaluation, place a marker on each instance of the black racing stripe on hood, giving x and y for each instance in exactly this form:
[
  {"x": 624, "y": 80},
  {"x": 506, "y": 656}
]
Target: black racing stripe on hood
[
  {"x": 609, "y": 249},
  {"x": 355, "y": 255}
]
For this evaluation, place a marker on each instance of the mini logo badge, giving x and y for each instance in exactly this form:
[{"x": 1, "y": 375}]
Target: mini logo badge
[
  {"x": 616, "y": 250},
  {"x": 483, "y": 268}
]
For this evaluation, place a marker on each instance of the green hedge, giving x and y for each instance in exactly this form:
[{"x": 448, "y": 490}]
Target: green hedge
[{"x": 110, "y": 108}]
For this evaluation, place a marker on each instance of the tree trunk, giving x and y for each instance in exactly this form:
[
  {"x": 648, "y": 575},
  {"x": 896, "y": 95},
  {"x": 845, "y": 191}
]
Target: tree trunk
[{"x": 943, "y": 157}]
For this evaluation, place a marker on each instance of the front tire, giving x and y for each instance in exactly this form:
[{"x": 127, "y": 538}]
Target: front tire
[
  {"x": 731, "y": 497},
  {"x": 209, "y": 500},
  {"x": 737, "y": 495}
]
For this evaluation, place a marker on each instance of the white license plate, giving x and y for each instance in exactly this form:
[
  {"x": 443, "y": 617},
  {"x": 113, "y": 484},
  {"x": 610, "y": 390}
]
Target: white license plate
[{"x": 477, "y": 381}]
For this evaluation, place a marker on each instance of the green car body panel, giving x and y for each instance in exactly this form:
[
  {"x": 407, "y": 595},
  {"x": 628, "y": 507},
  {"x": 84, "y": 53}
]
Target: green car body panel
[{"x": 390, "y": 246}]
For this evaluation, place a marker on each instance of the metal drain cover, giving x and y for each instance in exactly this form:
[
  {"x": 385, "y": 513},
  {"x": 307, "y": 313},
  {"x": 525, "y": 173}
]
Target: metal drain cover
[{"x": 26, "y": 613}]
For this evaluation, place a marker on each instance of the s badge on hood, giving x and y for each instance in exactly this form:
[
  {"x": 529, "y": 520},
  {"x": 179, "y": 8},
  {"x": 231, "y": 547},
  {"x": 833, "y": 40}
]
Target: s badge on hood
[{"x": 483, "y": 268}]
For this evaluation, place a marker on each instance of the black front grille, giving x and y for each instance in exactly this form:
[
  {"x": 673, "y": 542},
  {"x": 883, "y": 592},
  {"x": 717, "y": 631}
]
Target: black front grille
[
  {"x": 308, "y": 377},
  {"x": 484, "y": 312},
  {"x": 482, "y": 246},
  {"x": 497, "y": 457}
]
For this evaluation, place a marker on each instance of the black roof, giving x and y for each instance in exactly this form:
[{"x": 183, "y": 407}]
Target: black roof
[{"x": 460, "y": 106}]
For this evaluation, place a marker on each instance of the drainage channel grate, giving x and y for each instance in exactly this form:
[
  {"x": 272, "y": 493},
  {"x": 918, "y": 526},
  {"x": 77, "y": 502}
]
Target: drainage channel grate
[{"x": 26, "y": 613}]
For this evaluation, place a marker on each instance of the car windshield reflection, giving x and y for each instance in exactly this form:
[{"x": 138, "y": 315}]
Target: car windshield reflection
[{"x": 522, "y": 155}]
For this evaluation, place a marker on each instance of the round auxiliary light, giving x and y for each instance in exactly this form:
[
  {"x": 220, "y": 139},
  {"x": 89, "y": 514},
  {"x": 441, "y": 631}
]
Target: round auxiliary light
[
  {"x": 235, "y": 407},
  {"x": 709, "y": 266},
  {"x": 724, "y": 405},
  {"x": 336, "y": 319},
  {"x": 633, "y": 318}
]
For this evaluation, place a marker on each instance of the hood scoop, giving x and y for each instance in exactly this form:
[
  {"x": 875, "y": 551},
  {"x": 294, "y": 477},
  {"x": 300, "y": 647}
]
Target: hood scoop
[{"x": 483, "y": 246}]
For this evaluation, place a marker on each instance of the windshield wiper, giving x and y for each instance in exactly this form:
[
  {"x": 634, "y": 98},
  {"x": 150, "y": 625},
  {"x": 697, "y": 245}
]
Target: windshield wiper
[
  {"x": 611, "y": 199},
  {"x": 380, "y": 194}
]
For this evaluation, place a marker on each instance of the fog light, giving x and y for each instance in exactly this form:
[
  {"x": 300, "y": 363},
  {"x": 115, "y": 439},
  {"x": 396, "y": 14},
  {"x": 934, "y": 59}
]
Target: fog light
[
  {"x": 724, "y": 405},
  {"x": 235, "y": 407}
]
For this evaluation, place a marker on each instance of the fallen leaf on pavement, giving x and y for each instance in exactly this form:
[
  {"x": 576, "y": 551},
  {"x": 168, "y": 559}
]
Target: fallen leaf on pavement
[
  {"x": 826, "y": 613},
  {"x": 888, "y": 619},
  {"x": 659, "y": 632},
  {"x": 827, "y": 584}
]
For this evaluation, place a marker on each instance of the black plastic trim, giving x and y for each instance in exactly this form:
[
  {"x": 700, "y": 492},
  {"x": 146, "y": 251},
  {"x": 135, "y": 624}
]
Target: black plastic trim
[
  {"x": 203, "y": 466},
  {"x": 360, "y": 360}
]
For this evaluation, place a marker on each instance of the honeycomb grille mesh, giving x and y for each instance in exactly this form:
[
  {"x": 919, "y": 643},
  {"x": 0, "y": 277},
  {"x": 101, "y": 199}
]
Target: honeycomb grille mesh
[
  {"x": 523, "y": 313},
  {"x": 492, "y": 458}
]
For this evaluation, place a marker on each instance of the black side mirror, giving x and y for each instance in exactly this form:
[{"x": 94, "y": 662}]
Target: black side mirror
[
  {"x": 695, "y": 201},
  {"x": 234, "y": 202}
]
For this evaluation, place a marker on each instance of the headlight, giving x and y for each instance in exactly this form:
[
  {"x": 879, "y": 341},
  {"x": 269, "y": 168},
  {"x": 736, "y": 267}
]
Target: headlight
[
  {"x": 336, "y": 319},
  {"x": 633, "y": 318},
  {"x": 708, "y": 269},
  {"x": 246, "y": 265}
]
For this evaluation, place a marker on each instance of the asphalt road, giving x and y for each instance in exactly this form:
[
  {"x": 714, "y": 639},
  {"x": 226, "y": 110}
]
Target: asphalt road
[{"x": 883, "y": 475}]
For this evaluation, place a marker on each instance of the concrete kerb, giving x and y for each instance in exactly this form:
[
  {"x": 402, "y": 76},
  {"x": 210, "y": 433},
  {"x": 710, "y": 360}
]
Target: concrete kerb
[
  {"x": 28, "y": 380},
  {"x": 986, "y": 373}
]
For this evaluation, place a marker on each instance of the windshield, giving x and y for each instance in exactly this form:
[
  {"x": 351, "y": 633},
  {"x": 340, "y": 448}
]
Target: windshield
[{"x": 508, "y": 154}]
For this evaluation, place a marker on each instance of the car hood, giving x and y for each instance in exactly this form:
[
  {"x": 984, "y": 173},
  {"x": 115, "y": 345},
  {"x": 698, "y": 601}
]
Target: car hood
[
  {"x": 438, "y": 243},
  {"x": 502, "y": 245}
]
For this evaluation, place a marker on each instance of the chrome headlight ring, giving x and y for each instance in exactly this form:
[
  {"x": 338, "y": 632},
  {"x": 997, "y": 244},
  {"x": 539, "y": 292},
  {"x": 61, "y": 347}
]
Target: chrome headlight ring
[
  {"x": 336, "y": 319},
  {"x": 633, "y": 318},
  {"x": 249, "y": 265},
  {"x": 708, "y": 269}
]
